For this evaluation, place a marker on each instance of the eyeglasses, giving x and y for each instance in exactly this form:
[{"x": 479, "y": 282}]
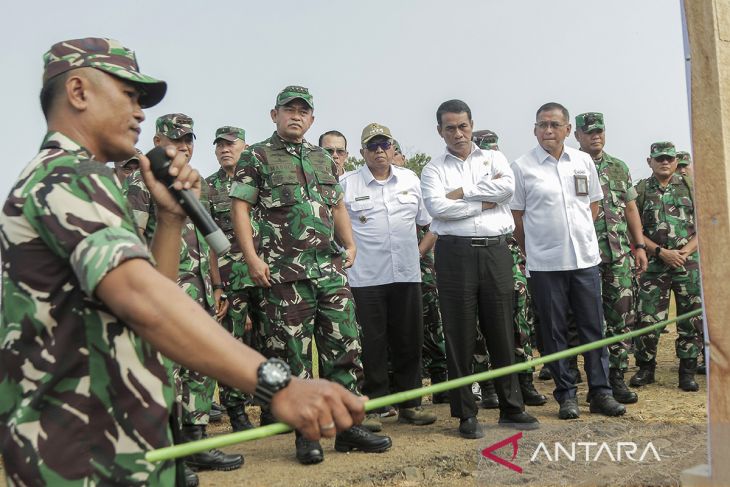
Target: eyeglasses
[
  {"x": 332, "y": 151},
  {"x": 373, "y": 146},
  {"x": 543, "y": 124}
]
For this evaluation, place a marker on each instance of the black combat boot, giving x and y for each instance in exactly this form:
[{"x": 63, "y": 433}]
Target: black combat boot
[
  {"x": 239, "y": 418},
  {"x": 644, "y": 376},
  {"x": 216, "y": 413},
  {"x": 191, "y": 478},
  {"x": 544, "y": 373},
  {"x": 490, "y": 400},
  {"x": 573, "y": 368},
  {"x": 620, "y": 392},
  {"x": 211, "y": 459},
  {"x": 439, "y": 397},
  {"x": 529, "y": 394},
  {"x": 687, "y": 371}
]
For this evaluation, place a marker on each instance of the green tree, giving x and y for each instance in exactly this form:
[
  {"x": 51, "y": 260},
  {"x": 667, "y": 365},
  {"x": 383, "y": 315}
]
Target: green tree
[{"x": 416, "y": 163}]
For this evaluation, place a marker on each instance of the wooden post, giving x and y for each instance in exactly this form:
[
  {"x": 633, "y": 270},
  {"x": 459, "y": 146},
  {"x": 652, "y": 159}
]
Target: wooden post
[{"x": 708, "y": 25}]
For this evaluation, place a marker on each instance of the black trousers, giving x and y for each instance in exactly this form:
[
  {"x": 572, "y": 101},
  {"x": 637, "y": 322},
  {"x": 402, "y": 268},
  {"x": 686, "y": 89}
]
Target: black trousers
[
  {"x": 390, "y": 318},
  {"x": 477, "y": 282},
  {"x": 554, "y": 293}
]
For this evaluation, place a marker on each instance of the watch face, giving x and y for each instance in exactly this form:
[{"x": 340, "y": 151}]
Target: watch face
[{"x": 273, "y": 374}]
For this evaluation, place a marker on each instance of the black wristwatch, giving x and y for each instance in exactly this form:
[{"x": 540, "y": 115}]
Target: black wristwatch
[
  {"x": 657, "y": 251},
  {"x": 273, "y": 376},
  {"x": 640, "y": 246}
]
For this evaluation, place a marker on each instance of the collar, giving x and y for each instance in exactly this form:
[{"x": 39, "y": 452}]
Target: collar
[
  {"x": 368, "y": 177},
  {"x": 543, "y": 155},
  {"x": 474, "y": 148},
  {"x": 278, "y": 143},
  {"x": 223, "y": 175},
  {"x": 56, "y": 140}
]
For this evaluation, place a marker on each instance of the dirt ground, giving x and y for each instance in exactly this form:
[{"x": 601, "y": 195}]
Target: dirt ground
[{"x": 674, "y": 422}]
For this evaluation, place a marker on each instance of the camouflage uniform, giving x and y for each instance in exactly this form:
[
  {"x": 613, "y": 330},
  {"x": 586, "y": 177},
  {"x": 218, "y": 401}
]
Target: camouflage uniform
[
  {"x": 292, "y": 189},
  {"x": 195, "y": 390},
  {"x": 617, "y": 261},
  {"x": 668, "y": 217},
  {"x": 82, "y": 396},
  {"x": 434, "y": 346},
  {"x": 485, "y": 139},
  {"x": 234, "y": 276}
]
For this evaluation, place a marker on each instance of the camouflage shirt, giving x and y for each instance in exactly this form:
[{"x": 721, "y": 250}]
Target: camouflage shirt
[
  {"x": 193, "y": 274},
  {"x": 667, "y": 214},
  {"x": 82, "y": 396},
  {"x": 236, "y": 270},
  {"x": 611, "y": 225},
  {"x": 292, "y": 189}
]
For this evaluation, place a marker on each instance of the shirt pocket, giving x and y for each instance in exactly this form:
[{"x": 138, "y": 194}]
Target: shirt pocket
[
  {"x": 360, "y": 210},
  {"x": 618, "y": 191},
  {"x": 328, "y": 187},
  {"x": 408, "y": 205}
]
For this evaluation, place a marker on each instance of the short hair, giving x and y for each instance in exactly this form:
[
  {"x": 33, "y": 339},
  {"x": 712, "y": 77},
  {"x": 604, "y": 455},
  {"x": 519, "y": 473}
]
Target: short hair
[
  {"x": 452, "y": 106},
  {"x": 50, "y": 91},
  {"x": 336, "y": 133},
  {"x": 547, "y": 107}
]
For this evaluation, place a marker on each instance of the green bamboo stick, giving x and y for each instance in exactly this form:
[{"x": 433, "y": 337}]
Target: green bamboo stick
[{"x": 185, "y": 449}]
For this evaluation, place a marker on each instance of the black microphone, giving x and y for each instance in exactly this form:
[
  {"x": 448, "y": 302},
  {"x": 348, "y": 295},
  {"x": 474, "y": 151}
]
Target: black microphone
[{"x": 160, "y": 163}]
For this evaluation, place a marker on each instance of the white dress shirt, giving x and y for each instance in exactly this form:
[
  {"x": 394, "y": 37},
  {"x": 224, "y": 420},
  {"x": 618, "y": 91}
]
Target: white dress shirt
[
  {"x": 559, "y": 231},
  {"x": 384, "y": 216},
  {"x": 485, "y": 175}
]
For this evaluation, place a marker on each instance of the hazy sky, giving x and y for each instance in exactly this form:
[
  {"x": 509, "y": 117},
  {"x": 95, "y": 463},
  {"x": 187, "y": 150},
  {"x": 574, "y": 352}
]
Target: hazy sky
[{"x": 376, "y": 61}]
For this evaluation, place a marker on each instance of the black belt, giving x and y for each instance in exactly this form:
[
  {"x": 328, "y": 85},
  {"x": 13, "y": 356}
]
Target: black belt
[{"x": 476, "y": 241}]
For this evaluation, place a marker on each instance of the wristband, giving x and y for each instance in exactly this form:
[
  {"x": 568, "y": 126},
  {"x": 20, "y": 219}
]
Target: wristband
[
  {"x": 657, "y": 251},
  {"x": 640, "y": 246}
]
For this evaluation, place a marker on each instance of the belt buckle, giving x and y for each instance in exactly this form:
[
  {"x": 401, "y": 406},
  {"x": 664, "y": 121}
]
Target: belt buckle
[{"x": 479, "y": 242}]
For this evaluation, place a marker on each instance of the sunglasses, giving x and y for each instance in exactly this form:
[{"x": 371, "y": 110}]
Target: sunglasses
[
  {"x": 373, "y": 146},
  {"x": 552, "y": 124},
  {"x": 332, "y": 151},
  {"x": 664, "y": 158}
]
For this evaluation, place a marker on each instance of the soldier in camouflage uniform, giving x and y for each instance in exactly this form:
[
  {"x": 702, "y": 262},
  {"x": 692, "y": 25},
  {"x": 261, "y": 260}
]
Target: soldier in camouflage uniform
[
  {"x": 234, "y": 279},
  {"x": 486, "y": 139},
  {"x": 124, "y": 169},
  {"x": 667, "y": 213},
  {"x": 288, "y": 187},
  {"x": 684, "y": 164},
  {"x": 195, "y": 390},
  {"x": 617, "y": 222}
]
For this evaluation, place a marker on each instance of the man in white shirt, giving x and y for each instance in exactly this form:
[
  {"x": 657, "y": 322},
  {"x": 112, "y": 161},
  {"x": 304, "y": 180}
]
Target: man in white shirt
[
  {"x": 557, "y": 192},
  {"x": 467, "y": 191},
  {"x": 385, "y": 206},
  {"x": 335, "y": 143}
]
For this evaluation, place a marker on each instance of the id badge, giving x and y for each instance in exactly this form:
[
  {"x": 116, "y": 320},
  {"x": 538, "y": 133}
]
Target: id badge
[{"x": 581, "y": 185}]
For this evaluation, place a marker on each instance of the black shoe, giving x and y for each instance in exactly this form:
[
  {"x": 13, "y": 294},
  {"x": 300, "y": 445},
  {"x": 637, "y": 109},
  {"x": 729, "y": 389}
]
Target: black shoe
[
  {"x": 687, "y": 370},
  {"x": 520, "y": 421},
  {"x": 191, "y": 478},
  {"x": 267, "y": 418},
  {"x": 701, "y": 368},
  {"x": 441, "y": 398},
  {"x": 529, "y": 394},
  {"x": 568, "y": 409},
  {"x": 215, "y": 415},
  {"x": 470, "y": 428},
  {"x": 620, "y": 392},
  {"x": 544, "y": 374},
  {"x": 359, "y": 438},
  {"x": 308, "y": 452},
  {"x": 239, "y": 418},
  {"x": 606, "y": 404},
  {"x": 490, "y": 400},
  {"x": 208, "y": 460},
  {"x": 644, "y": 376}
]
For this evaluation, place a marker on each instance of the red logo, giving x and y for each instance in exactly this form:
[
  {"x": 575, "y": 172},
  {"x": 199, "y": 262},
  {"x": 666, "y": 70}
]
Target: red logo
[{"x": 488, "y": 452}]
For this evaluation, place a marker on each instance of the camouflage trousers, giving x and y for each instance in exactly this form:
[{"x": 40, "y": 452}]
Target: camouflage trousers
[
  {"x": 523, "y": 318},
  {"x": 239, "y": 304},
  {"x": 654, "y": 288},
  {"x": 294, "y": 315},
  {"x": 194, "y": 392},
  {"x": 434, "y": 345},
  {"x": 618, "y": 307}
]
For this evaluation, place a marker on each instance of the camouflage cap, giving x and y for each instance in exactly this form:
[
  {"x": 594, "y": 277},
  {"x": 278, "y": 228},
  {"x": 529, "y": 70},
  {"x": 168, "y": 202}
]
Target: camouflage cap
[
  {"x": 683, "y": 158},
  {"x": 662, "y": 149},
  {"x": 106, "y": 55},
  {"x": 134, "y": 158},
  {"x": 485, "y": 139},
  {"x": 291, "y": 93},
  {"x": 230, "y": 134},
  {"x": 373, "y": 130},
  {"x": 397, "y": 146},
  {"x": 174, "y": 125},
  {"x": 590, "y": 121}
]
